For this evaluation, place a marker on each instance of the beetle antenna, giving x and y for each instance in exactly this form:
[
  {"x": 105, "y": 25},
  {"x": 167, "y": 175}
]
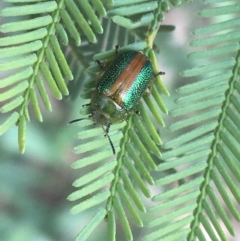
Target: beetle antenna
[
  {"x": 111, "y": 144},
  {"x": 110, "y": 141},
  {"x": 76, "y": 120}
]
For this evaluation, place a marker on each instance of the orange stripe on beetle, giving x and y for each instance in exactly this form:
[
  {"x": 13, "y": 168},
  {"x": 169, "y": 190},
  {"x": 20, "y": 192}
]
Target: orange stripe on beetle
[{"x": 126, "y": 79}]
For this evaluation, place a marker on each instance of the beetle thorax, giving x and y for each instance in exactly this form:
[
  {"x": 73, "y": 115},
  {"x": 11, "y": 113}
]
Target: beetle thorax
[{"x": 106, "y": 111}]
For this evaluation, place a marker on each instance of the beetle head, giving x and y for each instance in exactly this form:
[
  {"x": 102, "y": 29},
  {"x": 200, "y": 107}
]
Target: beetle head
[{"x": 100, "y": 118}]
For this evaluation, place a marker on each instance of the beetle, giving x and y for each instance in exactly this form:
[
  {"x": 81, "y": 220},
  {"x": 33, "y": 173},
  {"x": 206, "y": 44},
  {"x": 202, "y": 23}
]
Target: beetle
[{"x": 119, "y": 88}]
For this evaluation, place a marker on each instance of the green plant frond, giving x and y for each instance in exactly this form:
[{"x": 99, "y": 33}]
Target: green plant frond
[
  {"x": 74, "y": 9},
  {"x": 128, "y": 163},
  {"x": 78, "y": 59},
  {"x": 33, "y": 56},
  {"x": 88, "y": 189},
  {"x": 37, "y": 8},
  {"x": 207, "y": 154},
  {"x": 121, "y": 9},
  {"x": 95, "y": 221},
  {"x": 91, "y": 202},
  {"x": 89, "y": 144},
  {"x": 138, "y": 13},
  {"x": 135, "y": 135}
]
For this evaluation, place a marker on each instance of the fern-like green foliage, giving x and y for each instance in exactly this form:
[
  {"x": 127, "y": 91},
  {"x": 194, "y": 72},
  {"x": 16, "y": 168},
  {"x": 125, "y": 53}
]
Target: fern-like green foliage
[
  {"x": 207, "y": 154},
  {"x": 31, "y": 56},
  {"x": 136, "y": 135},
  {"x": 34, "y": 40}
]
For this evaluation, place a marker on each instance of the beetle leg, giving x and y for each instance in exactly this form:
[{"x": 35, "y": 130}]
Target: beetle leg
[
  {"x": 137, "y": 112},
  {"x": 149, "y": 91},
  {"x": 86, "y": 105},
  {"x": 100, "y": 64},
  {"x": 117, "y": 47},
  {"x": 159, "y": 73},
  {"x": 106, "y": 134},
  {"x": 107, "y": 129}
]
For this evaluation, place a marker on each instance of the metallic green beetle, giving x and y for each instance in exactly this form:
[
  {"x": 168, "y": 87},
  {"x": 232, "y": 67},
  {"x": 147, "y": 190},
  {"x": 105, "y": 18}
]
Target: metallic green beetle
[{"x": 119, "y": 88}]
